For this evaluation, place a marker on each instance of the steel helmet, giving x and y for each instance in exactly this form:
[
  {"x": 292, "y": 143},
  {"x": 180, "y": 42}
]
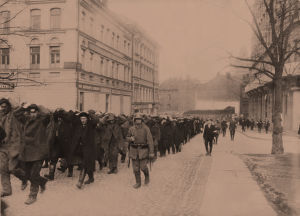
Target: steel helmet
[{"x": 137, "y": 116}]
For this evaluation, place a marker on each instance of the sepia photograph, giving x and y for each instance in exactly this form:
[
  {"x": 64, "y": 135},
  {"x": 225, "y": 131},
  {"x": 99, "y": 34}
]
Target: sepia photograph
[{"x": 150, "y": 107}]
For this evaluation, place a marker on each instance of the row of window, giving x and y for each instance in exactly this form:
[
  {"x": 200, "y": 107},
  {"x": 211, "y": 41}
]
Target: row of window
[
  {"x": 104, "y": 66},
  {"x": 144, "y": 72},
  {"x": 35, "y": 19},
  {"x": 55, "y": 18},
  {"x": 104, "y": 34},
  {"x": 143, "y": 94},
  {"x": 35, "y": 56},
  {"x": 145, "y": 52}
]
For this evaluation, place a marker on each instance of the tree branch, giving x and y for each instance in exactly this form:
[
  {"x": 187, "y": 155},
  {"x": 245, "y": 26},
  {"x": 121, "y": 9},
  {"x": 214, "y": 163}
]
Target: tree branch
[
  {"x": 264, "y": 71},
  {"x": 254, "y": 60}
]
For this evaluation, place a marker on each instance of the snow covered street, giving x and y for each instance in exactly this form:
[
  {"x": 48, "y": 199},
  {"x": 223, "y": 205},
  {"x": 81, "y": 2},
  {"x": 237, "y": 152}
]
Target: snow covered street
[{"x": 178, "y": 185}]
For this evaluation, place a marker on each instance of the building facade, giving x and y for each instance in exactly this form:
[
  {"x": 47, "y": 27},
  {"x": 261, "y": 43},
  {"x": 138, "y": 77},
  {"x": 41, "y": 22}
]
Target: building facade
[
  {"x": 260, "y": 99},
  {"x": 74, "y": 54},
  {"x": 145, "y": 72}
]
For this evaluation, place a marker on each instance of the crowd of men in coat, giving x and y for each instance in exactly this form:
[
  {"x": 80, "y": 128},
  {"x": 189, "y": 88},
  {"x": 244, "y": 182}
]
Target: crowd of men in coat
[
  {"x": 251, "y": 124},
  {"x": 31, "y": 136}
]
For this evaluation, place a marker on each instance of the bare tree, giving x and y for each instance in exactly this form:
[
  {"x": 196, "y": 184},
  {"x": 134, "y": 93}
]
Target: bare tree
[{"x": 275, "y": 37}]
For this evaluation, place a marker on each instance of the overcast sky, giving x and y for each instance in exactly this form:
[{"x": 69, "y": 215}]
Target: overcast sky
[{"x": 194, "y": 35}]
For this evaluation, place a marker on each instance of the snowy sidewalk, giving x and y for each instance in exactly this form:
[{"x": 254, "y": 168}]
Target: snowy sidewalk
[
  {"x": 230, "y": 189},
  {"x": 287, "y": 136}
]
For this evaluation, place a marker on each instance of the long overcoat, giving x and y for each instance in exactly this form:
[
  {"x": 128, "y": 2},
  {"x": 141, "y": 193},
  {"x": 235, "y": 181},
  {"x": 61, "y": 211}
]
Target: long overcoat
[
  {"x": 34, "y": 139},
  {"x": 166, "y": 135},
  {"x": 11, "y": 143},
  {"x": 84, "y": 146},
  {"x": 62, "y": 137},
  {"x": 112, "y": 140}
]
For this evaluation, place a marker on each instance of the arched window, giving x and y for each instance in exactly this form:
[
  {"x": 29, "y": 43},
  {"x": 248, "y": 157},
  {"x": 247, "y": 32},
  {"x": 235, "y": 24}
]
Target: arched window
[
  {"x": 55, "y": 18},
  {"x": 35, "y": 18}
]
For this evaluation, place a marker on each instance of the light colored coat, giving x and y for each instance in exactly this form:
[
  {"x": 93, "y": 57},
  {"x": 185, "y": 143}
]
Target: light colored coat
[{"x": 142, "y": 135}]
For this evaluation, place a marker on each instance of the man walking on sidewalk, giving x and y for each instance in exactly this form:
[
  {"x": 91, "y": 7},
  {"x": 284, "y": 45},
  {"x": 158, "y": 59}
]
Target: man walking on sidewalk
[
  {"x": 9, "y": 146},
  {"x": 34, "y": 147},
  {"x": 232, "y": 127},
  {"x": 209, "y": 133}
]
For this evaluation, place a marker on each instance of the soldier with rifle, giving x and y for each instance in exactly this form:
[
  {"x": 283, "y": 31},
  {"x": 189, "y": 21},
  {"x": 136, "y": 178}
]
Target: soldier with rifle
[{"x": 141, "y": 149}]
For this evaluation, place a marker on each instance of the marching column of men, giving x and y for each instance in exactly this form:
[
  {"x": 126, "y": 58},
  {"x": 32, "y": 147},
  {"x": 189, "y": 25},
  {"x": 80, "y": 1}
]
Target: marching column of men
[{"x": 31, "y": 134}]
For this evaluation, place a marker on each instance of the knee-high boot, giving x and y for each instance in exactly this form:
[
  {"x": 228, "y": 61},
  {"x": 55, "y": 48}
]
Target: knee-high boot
[
  {"x": 137, "y": 179},
  {"x": 147, "y": 177}
]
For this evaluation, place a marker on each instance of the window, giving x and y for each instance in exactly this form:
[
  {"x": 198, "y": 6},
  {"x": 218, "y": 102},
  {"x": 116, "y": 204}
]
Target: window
[
  {"x": 91, "y": 66},
  {"x": 107, "y": 68},
  {"x": 35, "y": 57},
  {"x": 4, "y": 52},
  {"x": 35, "y": 18},
  {"x": 92, "y": 26},
  {"x": 102, "y": 33},
  {"x": 81, "y": 101},
  {"x": 55, "y": 56},
  {"x": 113, "y": 40},
  {"x": 83, "y": 59},
  {"x": 112, "y": 69},
  {"x": 107, "y": 36},
  {"x": 55, "y": 15},
  {"x": 101, "y": 66},
  {"x": 117, "y": 72},
  {"x": 4, "y": 21},
  {"x": 117, "y": 45},
  {"x": 83, "y": 21}
]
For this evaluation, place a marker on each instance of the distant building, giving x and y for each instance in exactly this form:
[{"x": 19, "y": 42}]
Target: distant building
[
  {"x": 176, "y": 100},
  {"x": 169, "y": 100},
  {"x": 215, "y": 114},
  {"x": 74, "y": 54}
]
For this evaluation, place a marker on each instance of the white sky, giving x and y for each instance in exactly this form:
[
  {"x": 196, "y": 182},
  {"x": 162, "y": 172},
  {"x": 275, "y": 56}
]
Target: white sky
[{"x": 194, "y": 35}]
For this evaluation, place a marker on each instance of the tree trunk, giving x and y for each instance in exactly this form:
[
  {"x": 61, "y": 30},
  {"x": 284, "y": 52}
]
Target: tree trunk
[{"x": 277, "y": 144}]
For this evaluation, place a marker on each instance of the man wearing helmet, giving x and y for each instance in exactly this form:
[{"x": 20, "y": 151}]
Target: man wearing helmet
[{"x": 141, "y": 149}]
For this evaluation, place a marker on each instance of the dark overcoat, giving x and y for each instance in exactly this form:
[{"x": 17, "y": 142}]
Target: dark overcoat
[
  {"x": 112, "y": 139},
  {"x": 11, "y": 143},
  {"x": 62, "y": 137},
  {"x": 209, "y": 132},
  {"x": 84, "y": 146},
  {"x": 34, "y": 139}
]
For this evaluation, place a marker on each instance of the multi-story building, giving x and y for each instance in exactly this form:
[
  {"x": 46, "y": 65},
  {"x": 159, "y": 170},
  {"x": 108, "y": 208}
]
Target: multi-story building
[
  {"x": 74, "y": 54},
  {"x": 145, "y": 72}
]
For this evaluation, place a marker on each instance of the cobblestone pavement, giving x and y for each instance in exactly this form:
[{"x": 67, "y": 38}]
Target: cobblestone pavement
[{"x": 176, "y": 188}]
